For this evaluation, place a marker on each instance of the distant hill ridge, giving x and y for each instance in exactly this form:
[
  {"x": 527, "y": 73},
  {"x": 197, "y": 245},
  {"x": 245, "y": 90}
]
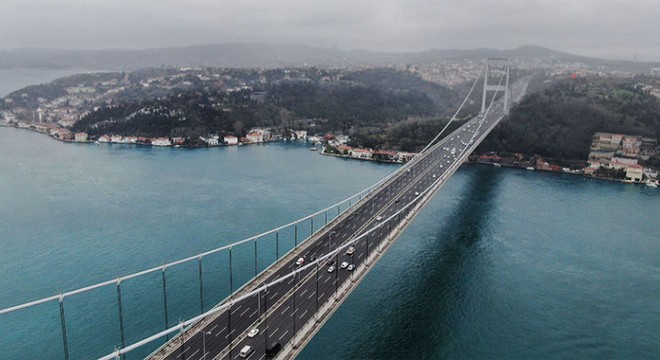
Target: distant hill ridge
[{"x": 251, "y": 55}]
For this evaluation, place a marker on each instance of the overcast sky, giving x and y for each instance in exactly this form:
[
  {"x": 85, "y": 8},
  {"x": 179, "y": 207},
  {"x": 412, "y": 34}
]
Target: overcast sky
[{"x": 619, "y": 29}]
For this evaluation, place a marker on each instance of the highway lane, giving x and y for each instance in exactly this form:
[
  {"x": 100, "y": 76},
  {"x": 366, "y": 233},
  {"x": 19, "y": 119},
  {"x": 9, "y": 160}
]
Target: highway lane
[
  {"x": 327, "y": 286},
  {"x": 215, "y": 338}
]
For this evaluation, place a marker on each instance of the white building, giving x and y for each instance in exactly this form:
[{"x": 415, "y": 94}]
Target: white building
[
  {"x": 161, "y": 141},
  {"x": 301, "y": 134},
  {"x": 212, "y": 140},
  {"x": 362, "y": 153},
  {"x": 231, "y": 140},
  {"x": 255, "y": 137}
]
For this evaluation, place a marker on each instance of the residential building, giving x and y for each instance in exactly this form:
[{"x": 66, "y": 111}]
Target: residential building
[
  {"x": 231, "y": 140},
  {"x": 161, "y": 141},
  {"x": 80, "y": 136},
  {"x": 255, "y": 137},
  {"x": 634, "y": 172},
  {"x": 362, "y": 153},
  {"x": 212, "y": 140}
]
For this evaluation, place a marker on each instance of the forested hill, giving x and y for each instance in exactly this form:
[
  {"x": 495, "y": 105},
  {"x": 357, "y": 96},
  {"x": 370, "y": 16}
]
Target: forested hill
[
  {"x": 313, "y": 105},
  {"x": 560, "y": 121}
]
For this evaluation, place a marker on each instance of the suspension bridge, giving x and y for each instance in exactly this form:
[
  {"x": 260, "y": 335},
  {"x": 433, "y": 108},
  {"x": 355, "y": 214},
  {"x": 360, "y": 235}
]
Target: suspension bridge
[{"x": 275, "y": 314}]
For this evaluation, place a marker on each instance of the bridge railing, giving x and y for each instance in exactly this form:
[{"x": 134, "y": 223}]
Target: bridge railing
[
  {"x": 240, "y": 267},
  {"x": 241, "y": 262},
  {"x": 403, "y": 211},
  {"x": 314, "y": 264}
]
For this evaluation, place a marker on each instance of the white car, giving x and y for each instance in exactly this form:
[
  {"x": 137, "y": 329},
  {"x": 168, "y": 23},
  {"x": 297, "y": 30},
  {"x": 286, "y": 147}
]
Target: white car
[
  {"x": 300, "y": 261},
  {"x": 331, "y": 268},
  {"x": 379, "y": 218},
  {"x": 246, "y": 351},
  {"x": 350, "y": 267},
  {"x": 343, "y": 265},
  {"x": 416, "y": 193},
  {"x": 434, "y": 176},
  {"x": 253, "y": 332},
  {"x": 350, "y": 250}
]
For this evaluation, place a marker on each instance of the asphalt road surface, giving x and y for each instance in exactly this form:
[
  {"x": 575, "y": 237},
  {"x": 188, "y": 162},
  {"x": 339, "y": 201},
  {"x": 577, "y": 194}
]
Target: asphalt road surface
[{"x": 289, "y": 310}]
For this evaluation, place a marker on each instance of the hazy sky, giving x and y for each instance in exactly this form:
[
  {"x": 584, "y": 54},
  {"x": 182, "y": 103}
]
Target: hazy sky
[{"x": 606, "y": 28}]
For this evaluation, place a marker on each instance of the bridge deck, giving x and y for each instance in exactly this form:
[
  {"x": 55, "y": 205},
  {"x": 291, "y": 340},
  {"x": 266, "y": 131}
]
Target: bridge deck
[{"x": 298, "y": 306}]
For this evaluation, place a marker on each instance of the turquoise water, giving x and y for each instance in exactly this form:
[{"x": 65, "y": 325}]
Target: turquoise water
[{"x": 501, "y": 264}]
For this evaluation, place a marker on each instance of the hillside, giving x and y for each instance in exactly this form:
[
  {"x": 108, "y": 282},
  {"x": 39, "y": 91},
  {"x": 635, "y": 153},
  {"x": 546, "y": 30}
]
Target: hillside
[
  {"x": 255, "y": 55},
  {"x": 560, "y": 121},
  {"x": 183, "y": 105}
]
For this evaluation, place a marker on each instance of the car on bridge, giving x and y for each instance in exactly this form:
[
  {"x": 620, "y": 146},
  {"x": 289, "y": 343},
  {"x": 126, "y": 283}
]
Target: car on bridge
[
  {"x": 273, "y": 349},
  {"x": 343, "y": 265},
  {"x": 379, "y": 218},
  {"x": 300, "y": 261},
  {"x": 350, "y": 267},
  {"x": 246, "y": 351},
  {"x": 350, "y": 250},
  {"x": 253, "y": 332},
  {"x": 331, "y": 268}
]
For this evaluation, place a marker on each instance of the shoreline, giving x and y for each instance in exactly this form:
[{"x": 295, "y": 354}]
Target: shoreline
[
  {"x": 556, "y": 172},
  {"x": 322, "y": 152},
  {"x": 137, "y": 143}
]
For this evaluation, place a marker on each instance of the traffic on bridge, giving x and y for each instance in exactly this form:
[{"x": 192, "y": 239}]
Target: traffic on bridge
[{"x": 277, "y": 320}]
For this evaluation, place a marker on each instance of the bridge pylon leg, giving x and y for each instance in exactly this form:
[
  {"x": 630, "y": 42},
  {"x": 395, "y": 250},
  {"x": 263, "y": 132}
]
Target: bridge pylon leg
[{"x": 498, "y": 64}]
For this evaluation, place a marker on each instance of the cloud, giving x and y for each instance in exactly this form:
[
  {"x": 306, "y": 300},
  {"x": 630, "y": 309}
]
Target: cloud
[{"x": 612, "y": 28}]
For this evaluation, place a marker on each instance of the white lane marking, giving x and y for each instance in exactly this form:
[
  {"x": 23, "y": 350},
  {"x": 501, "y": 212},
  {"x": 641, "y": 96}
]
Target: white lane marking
[
  {"x": 285, "y": 310},
  {"x": 303, "y": 314},
  {"x": 184, "y": 351},
  {"x": 244, "y": 311},
  {"x": 274, "y": 331},
  {"x": 253, "y": 313},
  {"x": 193, "y": 354},
  {"x": 232, "y": 331},
  {"x": 302, "y": 293},
  {"x": 326, "y": 279},
  {"x": 213, "y": 328},
  {"x": 286, "y": 332},
  {"x": 310, "y": 295}
]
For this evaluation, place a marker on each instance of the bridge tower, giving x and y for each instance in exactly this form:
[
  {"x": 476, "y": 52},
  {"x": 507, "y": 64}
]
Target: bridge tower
[{"x": 500, "y": 65}]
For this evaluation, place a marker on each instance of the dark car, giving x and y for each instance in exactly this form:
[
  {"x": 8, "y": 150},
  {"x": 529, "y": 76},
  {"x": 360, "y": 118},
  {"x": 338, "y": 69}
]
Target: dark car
[{"x": 273, "y": 349}]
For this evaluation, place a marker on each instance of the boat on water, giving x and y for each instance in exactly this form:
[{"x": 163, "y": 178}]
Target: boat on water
[
  {"x": 650, "y": 183},
  {"x": 497, "y": 165},
  {"x": 529, "y": 168},
  {"x": 312, "y": 148}
]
